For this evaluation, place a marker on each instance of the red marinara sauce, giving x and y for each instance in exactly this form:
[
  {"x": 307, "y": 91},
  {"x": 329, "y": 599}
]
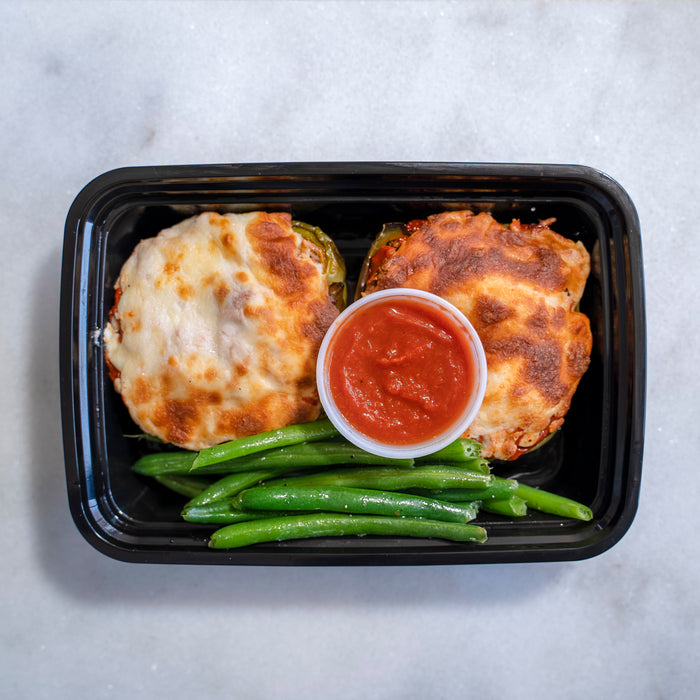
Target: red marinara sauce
[{"x": 400, "y": 371}]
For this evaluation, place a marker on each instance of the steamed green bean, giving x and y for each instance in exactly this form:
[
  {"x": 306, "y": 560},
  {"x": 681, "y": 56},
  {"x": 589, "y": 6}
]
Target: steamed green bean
[
  {"x": 281, "y": 437},
  {"x": 390, "y": 478},
  {"x": 313, "y": 454},
  {"x": 337, "y": 525},
  {"x": 351, "y": 500}
]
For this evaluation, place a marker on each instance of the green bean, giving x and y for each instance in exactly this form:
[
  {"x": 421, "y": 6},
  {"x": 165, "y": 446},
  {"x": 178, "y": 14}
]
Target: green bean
[
  {"x": 501, "y": 488},
  {"x": 229, "y": 486},
  {"x": 548, "y": 502},
  {"x": 351, "y": 500},
  {"x": 222, "y": 513},
  {"x": 513, "y": 507},
  {"x": 290, "y": 435},
  {"x": 461, "y": 450},
  {"x": 336, "y": 525},
  {"x": 313, "y": 454},
  {"x": 475, "y": 464},
  {"x": 189, "y": 486},
  {"x": 390, "y": 479},
  {"x": 165, "y": 463}
]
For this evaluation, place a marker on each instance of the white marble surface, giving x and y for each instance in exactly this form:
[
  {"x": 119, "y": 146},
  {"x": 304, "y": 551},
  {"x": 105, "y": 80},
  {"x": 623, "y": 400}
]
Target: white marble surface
[{"x": 92, "y": 86}]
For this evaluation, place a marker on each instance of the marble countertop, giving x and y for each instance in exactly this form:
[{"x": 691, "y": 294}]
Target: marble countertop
[{"x": 87, "y": 87}]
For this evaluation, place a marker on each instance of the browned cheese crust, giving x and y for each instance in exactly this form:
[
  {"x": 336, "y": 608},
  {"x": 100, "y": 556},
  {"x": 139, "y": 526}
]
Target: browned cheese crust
[
  {"x": 216, "y": 329},
  {"x": 519, "y": 285}
]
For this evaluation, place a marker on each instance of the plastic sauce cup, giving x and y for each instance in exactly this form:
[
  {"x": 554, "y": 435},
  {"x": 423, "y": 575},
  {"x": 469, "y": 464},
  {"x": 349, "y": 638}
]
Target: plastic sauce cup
[{"x": 404, "y": 372}]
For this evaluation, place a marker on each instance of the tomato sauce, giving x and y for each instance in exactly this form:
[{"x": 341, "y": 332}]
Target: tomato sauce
[{"x": 400, "y": 371}]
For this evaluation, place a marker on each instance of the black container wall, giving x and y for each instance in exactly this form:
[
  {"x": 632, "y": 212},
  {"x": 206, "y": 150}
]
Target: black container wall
[{"x": 595, "y": 458}]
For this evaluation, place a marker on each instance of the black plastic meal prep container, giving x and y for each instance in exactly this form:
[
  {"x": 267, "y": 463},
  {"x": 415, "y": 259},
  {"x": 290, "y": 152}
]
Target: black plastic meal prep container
[{"x": 596, "y": 458}]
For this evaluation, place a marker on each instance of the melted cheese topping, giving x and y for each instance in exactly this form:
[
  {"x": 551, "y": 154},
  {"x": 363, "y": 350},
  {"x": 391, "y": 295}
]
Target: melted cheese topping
[
  {"x": 216, "y": 328},
  {"x": 519, "y": 286}
]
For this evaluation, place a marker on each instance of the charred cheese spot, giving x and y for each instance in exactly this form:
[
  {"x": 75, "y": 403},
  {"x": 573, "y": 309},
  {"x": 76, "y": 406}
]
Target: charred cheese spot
[
  {"x": 285, "y": 270},
  {"x": 207, "y": 398},
  {"x": 488, "y": 310},
  {"x": 540, "y": 362},
  {"x": 302, "y": 411},
  {"x": 185, "y": 291},
  {"x": 176, "y": 418},
  {"x": 538, "y": 321},
  {"x": 558, "y": 318},
  {"x": 321, "y": 315},
  {"x": 578, "y": 357},
  {"x": 543, "y": 370},
  {"x": 143, "y": 389},
  {"x": 221, "y": 291},
  {"x": 242, "y": 423}
]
